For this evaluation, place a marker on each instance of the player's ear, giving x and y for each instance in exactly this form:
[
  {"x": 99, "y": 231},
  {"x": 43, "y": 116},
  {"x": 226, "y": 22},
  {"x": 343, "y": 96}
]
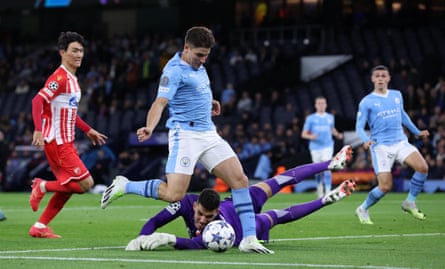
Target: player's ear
[{"x": 187, "y": 47}]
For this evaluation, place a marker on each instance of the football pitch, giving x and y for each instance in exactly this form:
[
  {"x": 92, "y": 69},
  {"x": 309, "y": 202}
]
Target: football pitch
[{"x": 329, "y": 238}]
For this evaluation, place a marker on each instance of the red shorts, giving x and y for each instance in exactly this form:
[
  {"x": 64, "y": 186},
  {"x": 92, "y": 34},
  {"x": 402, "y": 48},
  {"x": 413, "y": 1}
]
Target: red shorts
[{"x": 65, "y": 162}]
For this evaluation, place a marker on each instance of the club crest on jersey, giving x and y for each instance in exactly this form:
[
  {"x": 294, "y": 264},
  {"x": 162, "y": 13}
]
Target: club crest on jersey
[
  {"x": 163, "y": 81},
  {"x": 185, "y": 162},
  {"x": 397, "y": 100},
  {"x": 73, "y": 101},
  {"x": 53, "y": 85},
  {"x": 76, "y": 170}
]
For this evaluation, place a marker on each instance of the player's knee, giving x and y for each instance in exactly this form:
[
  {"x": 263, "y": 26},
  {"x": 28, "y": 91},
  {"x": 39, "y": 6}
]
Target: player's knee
[
  {"x": 238, "y": 182},
  {"x": 422, "y": 169},
  {"x": 86, "y": 184},
  {"x": 385, "y": 187},
  {"x": 172, "y": 196}
]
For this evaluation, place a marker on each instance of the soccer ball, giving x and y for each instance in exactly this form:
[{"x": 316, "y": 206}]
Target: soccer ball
[{"x": 218, "y": 236}]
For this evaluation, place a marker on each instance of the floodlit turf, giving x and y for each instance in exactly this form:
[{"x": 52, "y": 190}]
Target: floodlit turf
[{"x": 329, "y": 238}]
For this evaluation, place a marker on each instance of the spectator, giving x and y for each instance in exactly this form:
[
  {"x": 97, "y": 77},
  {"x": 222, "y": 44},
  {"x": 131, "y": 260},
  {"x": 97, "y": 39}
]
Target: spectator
[
  {"x": 244, "y": 103},
  {"x": 4, "y": 155}
]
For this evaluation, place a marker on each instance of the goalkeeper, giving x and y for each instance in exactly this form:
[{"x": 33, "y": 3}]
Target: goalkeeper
[{"x": 198, "y": 210}]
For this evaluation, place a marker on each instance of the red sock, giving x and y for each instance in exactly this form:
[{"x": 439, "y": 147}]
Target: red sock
[
  {"x": 70, "y": 187},
  {"x": 55, "y": 204}
]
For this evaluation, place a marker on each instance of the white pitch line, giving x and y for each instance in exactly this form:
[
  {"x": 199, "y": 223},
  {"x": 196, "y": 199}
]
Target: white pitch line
[
  {"x": 8, "y": 257},
  {"x": 355, "y": 237},
  {"x": 203, "y": 262},
  {"x": 273, "y": 240}
]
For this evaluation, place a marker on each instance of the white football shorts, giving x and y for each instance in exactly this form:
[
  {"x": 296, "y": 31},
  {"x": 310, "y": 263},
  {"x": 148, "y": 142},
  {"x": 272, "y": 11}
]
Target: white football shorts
[
  {"x": 384, "y": 156},
  {"x": 322, "y": 155},
  {"x": 186, "y": 148}
]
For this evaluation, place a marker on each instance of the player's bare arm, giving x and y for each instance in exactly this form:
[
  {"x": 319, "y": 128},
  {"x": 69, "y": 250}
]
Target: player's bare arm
[
  {"x": 306, "y": 134},
  {"x": 37, "y": 139},
  {"x": 216, "y": 108},
  {"x": 424, "y": 133},
  {"x": 153, "y": 117},
  {"x": 337, "y": 134},
  {"x": 96, "y": 137},
  {"x": 368, "y": 144}
]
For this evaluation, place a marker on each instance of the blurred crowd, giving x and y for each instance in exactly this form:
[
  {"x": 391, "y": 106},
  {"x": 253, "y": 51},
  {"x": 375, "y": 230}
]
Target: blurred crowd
[{"x": 263, "y": 126}]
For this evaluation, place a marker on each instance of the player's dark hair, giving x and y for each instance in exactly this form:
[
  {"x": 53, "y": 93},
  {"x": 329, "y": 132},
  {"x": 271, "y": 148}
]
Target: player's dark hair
[
  {"x": 200, "y": 37},
  {"x": 379, "y": 68},
  {"x": 65, "y": 38},
  {"x": 209, "y": 199}
]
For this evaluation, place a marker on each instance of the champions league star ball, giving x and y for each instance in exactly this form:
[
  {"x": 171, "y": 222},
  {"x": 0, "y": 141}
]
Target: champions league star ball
[{"x": 218, "y": 236}]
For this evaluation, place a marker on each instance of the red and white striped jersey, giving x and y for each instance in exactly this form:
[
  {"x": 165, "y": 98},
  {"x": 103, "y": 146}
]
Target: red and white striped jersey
[{"x": 62, "y": 94}]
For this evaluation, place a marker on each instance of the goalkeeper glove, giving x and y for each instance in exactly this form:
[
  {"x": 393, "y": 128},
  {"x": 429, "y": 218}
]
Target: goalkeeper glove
[{"x": 154, "y": 241}]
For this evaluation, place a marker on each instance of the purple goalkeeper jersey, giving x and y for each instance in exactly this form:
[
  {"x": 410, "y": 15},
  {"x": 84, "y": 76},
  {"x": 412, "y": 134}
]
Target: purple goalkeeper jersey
[{"x": 184, "y": 209}]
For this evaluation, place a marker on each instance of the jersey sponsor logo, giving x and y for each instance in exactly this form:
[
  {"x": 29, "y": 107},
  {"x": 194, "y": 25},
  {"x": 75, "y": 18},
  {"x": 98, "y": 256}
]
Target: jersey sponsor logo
[
  {"x": 388, "y": 113},
  {"x": 202, "y": 87},
  {"x": 48, "y": 92},
  {"x": 173, "y": 207},
  {"x": 53, "y": 85},
  {"x": 185, "y": 161},
  {"x": 73, "y": 101},
  {"x": 164, "y": 81},
  {"x": 163, "y": 89}
]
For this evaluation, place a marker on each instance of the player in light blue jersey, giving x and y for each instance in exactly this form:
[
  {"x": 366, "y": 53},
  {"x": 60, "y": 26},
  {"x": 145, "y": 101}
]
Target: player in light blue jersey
[
  {"x": 385, "y": 115},
  {"x": 185, "y": 87},
  {"x": 319, "y": 127}
]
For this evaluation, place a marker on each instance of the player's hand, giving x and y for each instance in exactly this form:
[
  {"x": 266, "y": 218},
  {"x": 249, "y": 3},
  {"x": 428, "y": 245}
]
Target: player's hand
[
  {"x": 155, "y": 240},
  {"x": 37, "y": 139},
  {"x": 367, "y": 144},
  {"x": 424, "y": 133},
  {"x": 340, "y": 136},
  {"x": 144, "y": 133},
  {"x": 216, "y": 108},
  {"x": 96, "y": 137}
]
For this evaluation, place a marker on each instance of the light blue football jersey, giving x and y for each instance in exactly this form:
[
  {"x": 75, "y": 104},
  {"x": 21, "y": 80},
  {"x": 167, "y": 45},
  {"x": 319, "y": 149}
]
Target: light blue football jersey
[
  {"x": 385, "y": 116},
  {"x": 189, "y": 94},
  {"x": 322, "y": 126}
]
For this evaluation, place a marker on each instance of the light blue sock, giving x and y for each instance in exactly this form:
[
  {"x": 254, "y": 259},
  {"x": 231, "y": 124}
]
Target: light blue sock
[
  {"x": 327, "y": 180},
  {"x": 416, "y": 186},
  {"x": 373, "y": 197},
  {"x": 146, "y": 188},
  {"x": 318, "y": 177},
  {"x": 244, "y": 208}
]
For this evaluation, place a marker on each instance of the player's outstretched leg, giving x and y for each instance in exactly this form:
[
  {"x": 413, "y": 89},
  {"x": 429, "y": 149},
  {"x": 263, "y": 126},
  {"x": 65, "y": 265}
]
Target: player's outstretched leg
[
  {"x": 114, "y": 191},
  {"x": 363, "y": 215},
  {"x": 36, "y": 194},
  {"x": 340, "y": 159},
  {"x": 45, "y": 232},
  {"x": 411, "y": 208},
  {"x": 343, "y": 190},
  {"x": 251, "y": 244},
  {"x": 2, "y": 216}
]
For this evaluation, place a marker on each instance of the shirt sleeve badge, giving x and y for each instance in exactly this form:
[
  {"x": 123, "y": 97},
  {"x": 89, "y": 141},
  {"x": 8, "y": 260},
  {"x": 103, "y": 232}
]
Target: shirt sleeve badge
[
  {"x": 164, "y": 81},
  {"x": 53, "y": 85}
]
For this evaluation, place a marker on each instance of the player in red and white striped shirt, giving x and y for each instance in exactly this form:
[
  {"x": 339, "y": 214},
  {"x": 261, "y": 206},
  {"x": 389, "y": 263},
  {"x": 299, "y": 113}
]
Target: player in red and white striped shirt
[{"x": 54, "y": 111}]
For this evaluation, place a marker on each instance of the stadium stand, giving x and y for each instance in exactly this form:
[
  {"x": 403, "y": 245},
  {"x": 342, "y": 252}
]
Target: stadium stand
[{"x": 119, "y": 106}]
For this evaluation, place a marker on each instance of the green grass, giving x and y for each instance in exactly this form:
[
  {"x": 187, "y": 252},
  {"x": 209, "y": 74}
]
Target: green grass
[{"x": 329, "y": 238}]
